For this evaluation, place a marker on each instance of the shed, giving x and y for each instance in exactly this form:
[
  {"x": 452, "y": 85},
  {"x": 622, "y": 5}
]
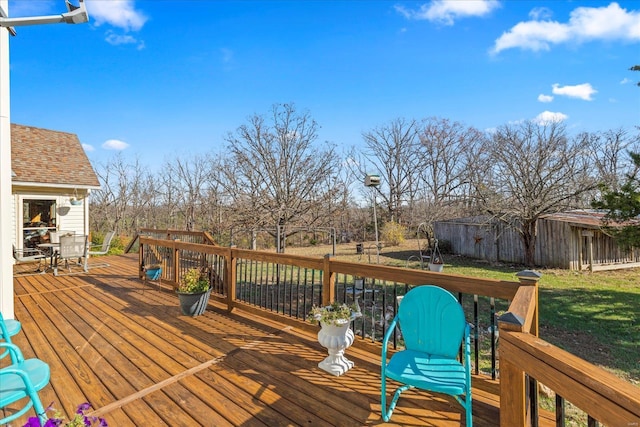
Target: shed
[
  {"x": 51, "y": 177},
  {"x": 569, "y": 240}
]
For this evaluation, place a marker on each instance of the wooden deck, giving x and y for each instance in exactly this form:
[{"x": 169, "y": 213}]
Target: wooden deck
[{"x": 129, "y": 352}]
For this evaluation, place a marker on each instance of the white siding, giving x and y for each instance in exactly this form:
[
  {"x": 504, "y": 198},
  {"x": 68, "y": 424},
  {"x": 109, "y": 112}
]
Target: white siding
[{"x": 70, "y": 218}]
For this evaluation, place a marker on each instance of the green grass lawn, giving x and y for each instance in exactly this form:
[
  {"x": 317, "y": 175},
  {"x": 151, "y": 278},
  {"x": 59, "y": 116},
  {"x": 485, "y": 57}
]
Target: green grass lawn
[{"x": 595, "y": 316}]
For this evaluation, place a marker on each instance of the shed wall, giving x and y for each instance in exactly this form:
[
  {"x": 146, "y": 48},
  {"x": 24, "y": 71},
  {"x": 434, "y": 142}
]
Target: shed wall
[{"x": 559, "y": 244}]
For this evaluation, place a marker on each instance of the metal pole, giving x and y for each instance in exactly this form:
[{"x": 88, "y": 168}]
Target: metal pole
[
  {"x": 375, "y": 224},
  {"x": 75, "y": 15},
  {"x": 6, "y": 265}
]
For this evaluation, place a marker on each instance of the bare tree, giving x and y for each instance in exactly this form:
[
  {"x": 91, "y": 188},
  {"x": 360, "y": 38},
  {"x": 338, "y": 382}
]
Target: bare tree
[
  {"x": 275, "y": 173},
  {"x": 533, "y": 169},
  {"x": 191, "y": 180},
  {"x": 610, "y": 153},
  {"x": 122, "y": 198},
  {"x": 448, "y": 152},
  {"x": 391, "y": 151}
]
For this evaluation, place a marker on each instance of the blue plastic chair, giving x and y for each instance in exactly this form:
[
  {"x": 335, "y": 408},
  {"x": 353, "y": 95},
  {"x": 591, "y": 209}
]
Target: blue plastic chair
[
  {"x": 23, "y": 378},
  {"x": 433, "y": 327},
  {"x": 8, "y": 328}
]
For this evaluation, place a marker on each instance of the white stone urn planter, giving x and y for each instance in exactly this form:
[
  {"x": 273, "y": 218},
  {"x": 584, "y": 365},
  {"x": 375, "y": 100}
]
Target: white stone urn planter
[
  {"x": 336, "y": 338},
  {"x": 335, "y": 334}
]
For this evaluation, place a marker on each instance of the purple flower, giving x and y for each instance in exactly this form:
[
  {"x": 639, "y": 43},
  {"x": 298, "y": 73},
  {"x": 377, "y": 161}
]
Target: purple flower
[
  {"x": 33, "y": 422},
  {"x": 83, "y": 407},
  {"x": 56, "y": 420}
]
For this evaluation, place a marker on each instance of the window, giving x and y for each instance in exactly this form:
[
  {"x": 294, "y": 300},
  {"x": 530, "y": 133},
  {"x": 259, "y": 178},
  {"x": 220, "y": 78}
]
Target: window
[{"x": 38, "y": 218}]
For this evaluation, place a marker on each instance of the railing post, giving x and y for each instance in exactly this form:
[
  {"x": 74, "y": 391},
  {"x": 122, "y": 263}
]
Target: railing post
[
  {"x": 176, "y": 263},
  {"x": 513, "y": 406},
  {"x": 531, "y": 278},
  {"x": 328, "y": 282},
  {"x": 140, "y": 261},
  {"x": 230, "y": 278},
  {"x": 513, "y": 387}
]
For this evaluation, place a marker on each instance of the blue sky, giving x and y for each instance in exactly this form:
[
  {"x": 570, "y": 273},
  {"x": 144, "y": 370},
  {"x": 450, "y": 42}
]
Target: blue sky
[{"x": 160, "y": 78}]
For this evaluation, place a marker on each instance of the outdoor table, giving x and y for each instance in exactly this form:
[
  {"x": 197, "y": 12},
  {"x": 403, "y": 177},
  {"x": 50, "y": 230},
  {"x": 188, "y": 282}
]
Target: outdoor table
[{"x": 52, "y": 248}]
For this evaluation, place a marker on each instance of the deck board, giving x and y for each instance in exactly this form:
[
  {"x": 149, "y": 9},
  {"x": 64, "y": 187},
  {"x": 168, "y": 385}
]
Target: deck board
[{"x": 127, "y": 349}]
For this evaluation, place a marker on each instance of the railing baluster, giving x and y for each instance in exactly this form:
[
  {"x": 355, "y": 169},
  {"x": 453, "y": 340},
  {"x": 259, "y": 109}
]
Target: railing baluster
[
  {"x": 492, "y": 322},
  {"x": 461, "y": 351},
  {"x": 559, "y": 411},
  {"x": 476, "y": 334},
  {"x": 263, "y": 293},
  {"x": 533, "y": 401}
]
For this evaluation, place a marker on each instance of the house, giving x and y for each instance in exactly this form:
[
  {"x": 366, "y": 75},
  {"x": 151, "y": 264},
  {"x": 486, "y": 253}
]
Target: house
[
  {"x": 569, "y": 240},
  {"x": 51, "y": 176}
]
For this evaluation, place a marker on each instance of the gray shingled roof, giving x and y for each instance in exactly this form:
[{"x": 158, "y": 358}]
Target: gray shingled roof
[{"x": 43, "y": 156}]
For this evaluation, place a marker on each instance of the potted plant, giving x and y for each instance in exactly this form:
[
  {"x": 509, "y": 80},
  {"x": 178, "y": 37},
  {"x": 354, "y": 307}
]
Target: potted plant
[
  {"x": 436, "y": 263},
  {"x": 335, "y": 334},
  {"x": 194, "y": 291}
]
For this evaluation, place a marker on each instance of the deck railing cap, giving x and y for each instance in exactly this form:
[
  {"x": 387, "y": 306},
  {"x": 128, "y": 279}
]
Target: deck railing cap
[
  {"x": 530, "y": 275},
  {"x": 511, "y": 318}
]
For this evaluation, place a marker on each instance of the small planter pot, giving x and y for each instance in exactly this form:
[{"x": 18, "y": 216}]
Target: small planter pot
[
  {"x": 194, "y": 304},
  {"x": 153, "y": 273},
  {"x": 436, "y": 267}
]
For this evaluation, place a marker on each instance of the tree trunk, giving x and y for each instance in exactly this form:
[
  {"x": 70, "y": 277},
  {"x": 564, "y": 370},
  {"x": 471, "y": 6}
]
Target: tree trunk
[{"x": 529, "y": 232}]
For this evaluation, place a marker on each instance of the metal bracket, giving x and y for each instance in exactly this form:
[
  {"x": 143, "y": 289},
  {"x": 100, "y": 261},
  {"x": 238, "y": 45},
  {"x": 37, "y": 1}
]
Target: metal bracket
[{"x": 75, "y": 15}]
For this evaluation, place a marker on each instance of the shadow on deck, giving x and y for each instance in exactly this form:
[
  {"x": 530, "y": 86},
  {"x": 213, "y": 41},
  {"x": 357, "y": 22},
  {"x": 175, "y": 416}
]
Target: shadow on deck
[{"x": 129, "y": 352}]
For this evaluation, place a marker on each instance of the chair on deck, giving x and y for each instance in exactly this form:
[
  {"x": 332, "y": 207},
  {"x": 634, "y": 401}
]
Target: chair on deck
[
  {"x": 73, "y": 248},
  {"x": 29, "y": 255},
  {"x": 22, "y": 379},
  {"x": 8, "y": 328},
  {"x": 102, "y": 249},
  {"x": 433, "y": 327}
]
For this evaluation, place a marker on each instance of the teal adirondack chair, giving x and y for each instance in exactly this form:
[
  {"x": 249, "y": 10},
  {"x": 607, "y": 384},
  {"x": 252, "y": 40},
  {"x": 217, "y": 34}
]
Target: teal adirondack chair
[
  {"x": 23, "y": 378},
  {"x": 8, "y": 328},
  {"x": 433, "y": 327}
]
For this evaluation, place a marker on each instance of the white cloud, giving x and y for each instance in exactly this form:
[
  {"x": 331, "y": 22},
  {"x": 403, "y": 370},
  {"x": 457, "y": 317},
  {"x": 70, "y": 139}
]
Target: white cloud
[
  {"x": 118, "y": 13},
  {"x": 585, "y": 23},
  {"x": 625, "y": 81},
  {"x": 545, "y": 98},
  {"x": 539, "y": 13},
  {"x": 547, "y": 117},
  {"x": 88, "y": 147},
  {"x": 447, "y": 11},
  {"x": 118, "y": 39},
  {"x": 583, "y": 91},
  {"x": 115, "y": 144}
]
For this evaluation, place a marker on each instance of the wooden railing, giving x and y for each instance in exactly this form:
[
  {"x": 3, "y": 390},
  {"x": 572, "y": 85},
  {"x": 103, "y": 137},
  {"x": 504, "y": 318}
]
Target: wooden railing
[
  {"x": 242, "y": 277},
  {"x": 526, "y": 360},
  {"x": 168, "y": 234}
]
